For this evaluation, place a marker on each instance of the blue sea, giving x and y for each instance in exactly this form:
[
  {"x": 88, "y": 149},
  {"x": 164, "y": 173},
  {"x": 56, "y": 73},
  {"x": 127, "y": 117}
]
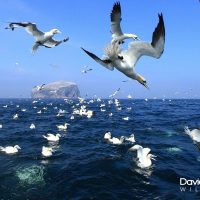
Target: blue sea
[{"x": 84, "y": 165}]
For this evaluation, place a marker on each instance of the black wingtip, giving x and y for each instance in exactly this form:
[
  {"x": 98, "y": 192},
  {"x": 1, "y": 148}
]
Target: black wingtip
[
  {"x": 159, "y": 30},
  {"x": 115, "y": 10}
]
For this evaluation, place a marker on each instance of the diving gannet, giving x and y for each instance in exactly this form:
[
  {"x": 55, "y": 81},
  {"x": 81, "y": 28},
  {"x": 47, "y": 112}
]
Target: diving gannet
[{"x": 125, "y": 60}]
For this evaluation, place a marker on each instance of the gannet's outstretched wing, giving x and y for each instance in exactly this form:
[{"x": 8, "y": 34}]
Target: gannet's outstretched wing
[
  {"x": 29, "y": 27},
  {"x": 115, "y": 17},
  {"x": 139, "y": 48},
  {"x": 107, "y": 63}
]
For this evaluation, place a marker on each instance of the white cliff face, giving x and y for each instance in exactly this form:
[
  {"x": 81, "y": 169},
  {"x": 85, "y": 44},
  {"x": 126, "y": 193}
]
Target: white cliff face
[{"x": 58, "y": 89}]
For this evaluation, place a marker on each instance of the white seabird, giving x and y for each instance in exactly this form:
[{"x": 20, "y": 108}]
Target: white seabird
[
  {"x": 15, "y": 116},
  {"x": 115, "y": 140},
  {"x": 10, "y": 149},
  {"x": 107, "y": 135},
  {"x": 41, "y": 38},
  {"x": 131, "y": 138},
  {"x": 39, "y": 87},
  {"x": 62, "y": 127},
  {"x": 32, "y": 126},
  {"x": 194, "y": 134},
  {"x": 143, "y": 155},
  {"x": 52, "y": 137},
  {"x": 125, "y": 60},
  {"x": 86, "y": 69},
  {"x": 47, "y": 151},
  {"x": 117, "y": 34}
]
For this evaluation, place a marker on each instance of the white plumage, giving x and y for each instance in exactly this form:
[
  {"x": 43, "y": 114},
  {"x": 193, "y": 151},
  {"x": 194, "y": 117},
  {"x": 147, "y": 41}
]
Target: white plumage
[
  {"x": 117, "y": 34},
  {"x": 51, "y": 137},
  {"x": 41, "y": 38},
  {"x": 143, "y": 155},
  {"x": 125, "y": 60},
  {"x": 62, "y": 127},
  {"x": 10, "y": 149},
  {"x": 47, "y": 151},
  {"x": 194, "y": 134}
]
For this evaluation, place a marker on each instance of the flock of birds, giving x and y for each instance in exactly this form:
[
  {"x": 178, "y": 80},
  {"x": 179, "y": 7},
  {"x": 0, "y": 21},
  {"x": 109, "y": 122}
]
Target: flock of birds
[
  {"x": 144, "y": 157},
  {"x": 123, "y": 60}
]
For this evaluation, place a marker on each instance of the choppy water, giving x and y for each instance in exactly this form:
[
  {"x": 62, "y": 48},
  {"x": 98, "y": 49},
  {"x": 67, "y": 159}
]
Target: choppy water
[{"x": 84, "y": 165}]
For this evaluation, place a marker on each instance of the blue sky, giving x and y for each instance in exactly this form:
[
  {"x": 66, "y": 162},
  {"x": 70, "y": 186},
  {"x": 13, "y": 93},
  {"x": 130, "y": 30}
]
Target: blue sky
[{"x": 87, "y": 23}]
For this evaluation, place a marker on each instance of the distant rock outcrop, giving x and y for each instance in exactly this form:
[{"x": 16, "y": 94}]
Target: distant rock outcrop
[{"x": 58, "y": 89}]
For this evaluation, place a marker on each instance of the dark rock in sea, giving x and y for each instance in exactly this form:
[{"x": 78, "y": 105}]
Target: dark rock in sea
[{"x": 58, "y": 89}]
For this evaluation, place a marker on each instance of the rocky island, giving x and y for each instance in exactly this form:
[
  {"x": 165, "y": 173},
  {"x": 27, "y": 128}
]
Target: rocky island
[{"x": 58, "y": 89}]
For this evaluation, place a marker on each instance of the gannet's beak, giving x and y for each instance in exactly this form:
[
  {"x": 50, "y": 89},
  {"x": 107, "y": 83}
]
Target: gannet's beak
[
  {"x": 153, "y": 157},
  {"x": 59, "y": 31},
  {"x": 135, "y": 37},
  {"x": 145, "y": 85}
]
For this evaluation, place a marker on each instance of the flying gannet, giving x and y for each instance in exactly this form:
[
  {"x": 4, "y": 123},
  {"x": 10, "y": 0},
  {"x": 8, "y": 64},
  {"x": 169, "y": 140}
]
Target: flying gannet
[
  {"x": 117, "y": 34},
  {"x": 40, "y": 87},
  {"x": 41, "y": 38},
  {"x": 86, "y": 69},
  {"x": 125, "y": 60}
]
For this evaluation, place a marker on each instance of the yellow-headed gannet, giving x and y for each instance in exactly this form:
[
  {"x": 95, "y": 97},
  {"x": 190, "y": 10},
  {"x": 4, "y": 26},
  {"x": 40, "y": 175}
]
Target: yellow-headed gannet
[{"x": 125, "y": 60}]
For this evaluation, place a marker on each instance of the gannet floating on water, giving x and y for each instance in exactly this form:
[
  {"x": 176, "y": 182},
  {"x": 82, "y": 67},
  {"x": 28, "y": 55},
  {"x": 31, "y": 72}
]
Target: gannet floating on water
[
  {"x": 143, "y": 155},
  {"x": 62, "y": 127},
  {"x": 117, "y": 34},
  {"x": 32, "y": 126},
  {"x": 41, "y": 38},
  {"x": 15, "y": 116},
  {"x": 47, "y": 151},
  {"x": 107, "y": 135},
  {"x": 125, "y": 60},
  {"x": 125, "y": 118},
  {"x": 131, "y": 138},
  {"x": 114, "y": 140},
  {"x": 52, "y": 137},
  {"x": 194, "y": 134},
  {"x": 10, "y": 149}
]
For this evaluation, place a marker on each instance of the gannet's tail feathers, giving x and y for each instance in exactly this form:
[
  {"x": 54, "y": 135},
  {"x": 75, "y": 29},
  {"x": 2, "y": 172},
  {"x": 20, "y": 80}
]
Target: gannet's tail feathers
[
  {"x": 35, "y": 47},
  {"x": 107, "y": 63}
]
